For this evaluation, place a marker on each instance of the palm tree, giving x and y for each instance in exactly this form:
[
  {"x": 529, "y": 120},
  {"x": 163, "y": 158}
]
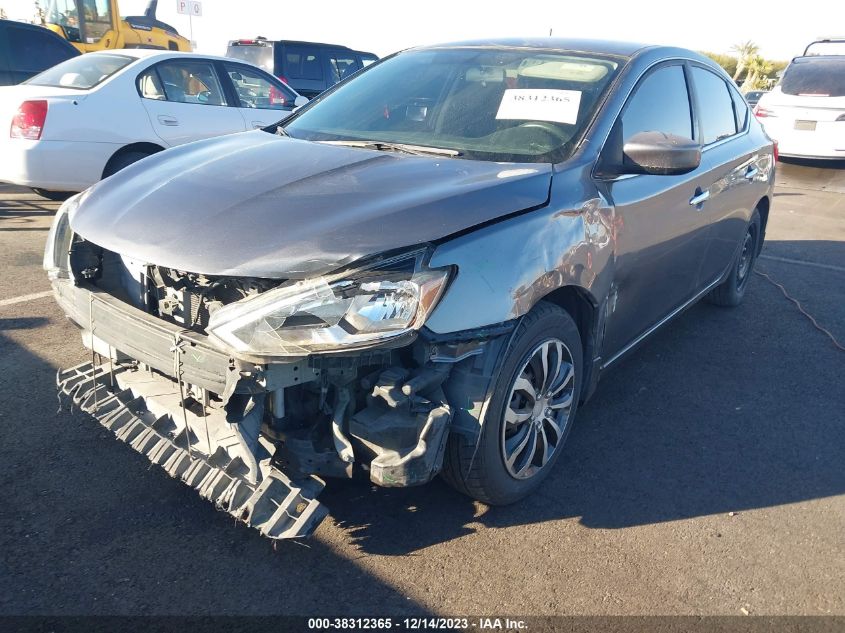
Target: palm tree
[
  {"x": 745, "y": 52},
  {"x": 758, "y": 71}
]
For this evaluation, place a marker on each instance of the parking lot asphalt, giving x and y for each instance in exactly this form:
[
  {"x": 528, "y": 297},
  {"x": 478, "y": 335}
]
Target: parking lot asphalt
[{"x": 705, "y": 476}]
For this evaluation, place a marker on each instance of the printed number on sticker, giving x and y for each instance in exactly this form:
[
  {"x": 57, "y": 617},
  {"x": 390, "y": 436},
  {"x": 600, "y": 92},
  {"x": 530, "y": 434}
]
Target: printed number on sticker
[{"x": 559, "y": 106}]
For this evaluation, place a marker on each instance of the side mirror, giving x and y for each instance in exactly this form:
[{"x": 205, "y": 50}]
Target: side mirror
[
  {"x": 660, "y": 154},
  {"x": 300, "y": 101}
]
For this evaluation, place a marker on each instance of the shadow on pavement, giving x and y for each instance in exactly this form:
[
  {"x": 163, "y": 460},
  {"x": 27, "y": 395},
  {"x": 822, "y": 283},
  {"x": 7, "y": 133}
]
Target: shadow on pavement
[{"x": 22, "y": 323}]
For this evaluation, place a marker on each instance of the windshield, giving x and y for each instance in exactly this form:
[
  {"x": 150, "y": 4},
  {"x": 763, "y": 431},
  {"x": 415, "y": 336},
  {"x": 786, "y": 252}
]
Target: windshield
[
  {"x": 260, "y": 54},
  {"x": 488, "y": 104},
  {"x": 83, "y": 72},
  {"x": 815, "y": 76}
]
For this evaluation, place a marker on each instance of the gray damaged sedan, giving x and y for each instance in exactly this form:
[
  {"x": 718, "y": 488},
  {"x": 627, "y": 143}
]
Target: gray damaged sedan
[{"x": 423, "y": 271}]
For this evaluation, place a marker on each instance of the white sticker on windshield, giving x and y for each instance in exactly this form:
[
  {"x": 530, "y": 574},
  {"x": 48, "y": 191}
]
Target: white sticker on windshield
[{"x": 560, "y": 106}]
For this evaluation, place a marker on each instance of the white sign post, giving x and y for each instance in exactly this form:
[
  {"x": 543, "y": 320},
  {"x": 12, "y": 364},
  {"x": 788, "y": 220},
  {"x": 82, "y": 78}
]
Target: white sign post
[{"x": 193, "y": 9}]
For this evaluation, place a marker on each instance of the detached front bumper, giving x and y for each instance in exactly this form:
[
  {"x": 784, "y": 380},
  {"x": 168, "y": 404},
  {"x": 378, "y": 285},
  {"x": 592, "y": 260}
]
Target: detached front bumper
[
  {"x": 277, "y": 506},
  {"x": 225, "y": 461}
]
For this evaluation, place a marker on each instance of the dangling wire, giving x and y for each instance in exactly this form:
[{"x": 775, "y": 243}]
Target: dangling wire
[
  {"x": 801, "y": 309},
  {"x": 177, "y": 369},
  {"x": 94, "y": 364}
]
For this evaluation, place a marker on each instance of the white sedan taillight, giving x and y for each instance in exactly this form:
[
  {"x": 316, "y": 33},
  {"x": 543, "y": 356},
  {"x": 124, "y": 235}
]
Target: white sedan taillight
[
  {"x": 762, "y": 113},
  {"x": 28, "y": 121}
]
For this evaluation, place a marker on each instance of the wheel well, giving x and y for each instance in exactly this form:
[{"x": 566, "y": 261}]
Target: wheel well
[
  {"x": 149, "y": 148},
  {"x": 763, "y": 210},
  {"x": 581, "y": 307}
]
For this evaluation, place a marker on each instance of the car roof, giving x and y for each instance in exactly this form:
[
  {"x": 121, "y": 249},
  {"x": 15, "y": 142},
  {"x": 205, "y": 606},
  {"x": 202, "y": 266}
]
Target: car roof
[
  {"x": 295, "y": 42},
  {"x": 811, "y": 57},
  {"x": 154, "y": 53},
  {"x": 606, "y": 47}
]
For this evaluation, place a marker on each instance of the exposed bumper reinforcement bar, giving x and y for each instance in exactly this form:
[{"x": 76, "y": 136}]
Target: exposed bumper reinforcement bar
[{"x": 277, "y": 506}]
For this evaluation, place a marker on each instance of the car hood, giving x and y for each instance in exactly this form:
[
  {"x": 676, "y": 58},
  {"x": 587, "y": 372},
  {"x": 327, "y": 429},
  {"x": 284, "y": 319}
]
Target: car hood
[{"x": 261, "y": 205}]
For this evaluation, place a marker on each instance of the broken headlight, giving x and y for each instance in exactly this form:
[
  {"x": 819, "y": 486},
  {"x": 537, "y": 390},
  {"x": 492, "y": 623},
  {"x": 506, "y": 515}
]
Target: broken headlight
[
  {"x": 58, "y": 240},
  {"x": 360, "y": 308}
]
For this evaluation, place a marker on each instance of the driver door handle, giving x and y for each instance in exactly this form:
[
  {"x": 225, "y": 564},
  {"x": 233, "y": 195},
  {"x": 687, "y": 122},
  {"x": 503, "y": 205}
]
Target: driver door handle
[
  {"x": 165, "y": 119},
  {"x": 699, "y": 197},
  {"x": 258, "y": 124}
]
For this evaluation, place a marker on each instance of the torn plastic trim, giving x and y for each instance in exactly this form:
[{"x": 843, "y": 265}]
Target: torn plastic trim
[
  {"x": 472, "y": 381},
  {"x": 277, "y": 506}
]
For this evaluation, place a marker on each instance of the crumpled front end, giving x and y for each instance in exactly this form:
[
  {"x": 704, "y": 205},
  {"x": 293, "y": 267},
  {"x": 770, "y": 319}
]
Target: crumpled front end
[{"x": 253, "y": 432}]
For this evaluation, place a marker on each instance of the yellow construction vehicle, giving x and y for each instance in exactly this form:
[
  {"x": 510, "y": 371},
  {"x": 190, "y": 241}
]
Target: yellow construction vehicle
[{"x": 96, "y": 25}]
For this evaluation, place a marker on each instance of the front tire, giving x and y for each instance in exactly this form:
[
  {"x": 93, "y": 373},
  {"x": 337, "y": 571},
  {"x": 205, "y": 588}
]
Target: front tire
[
  {"x": 731, "y": 291},
  {"x": 529, "y": 416}
]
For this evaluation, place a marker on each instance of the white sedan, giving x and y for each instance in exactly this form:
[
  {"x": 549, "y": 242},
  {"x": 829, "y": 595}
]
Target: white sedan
[{"x": 93, "y": 115}]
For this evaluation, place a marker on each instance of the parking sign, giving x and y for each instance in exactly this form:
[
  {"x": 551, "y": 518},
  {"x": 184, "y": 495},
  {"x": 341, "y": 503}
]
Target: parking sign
[{"x": 189, "y": 7}]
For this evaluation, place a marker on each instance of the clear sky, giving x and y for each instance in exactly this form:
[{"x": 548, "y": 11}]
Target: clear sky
[{"x": 781, "y": 29}]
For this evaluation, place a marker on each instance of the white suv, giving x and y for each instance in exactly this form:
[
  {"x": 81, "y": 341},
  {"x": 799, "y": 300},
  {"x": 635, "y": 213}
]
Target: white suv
[{"x": 805, "y": 113}]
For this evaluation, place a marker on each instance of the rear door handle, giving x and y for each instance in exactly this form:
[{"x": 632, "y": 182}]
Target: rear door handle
[
  {"x": 699, "y": 197},
  {"x": 167, "y": 120},
  {"x": 751, "y": 173},
  {"x": 258, "y": 124}
]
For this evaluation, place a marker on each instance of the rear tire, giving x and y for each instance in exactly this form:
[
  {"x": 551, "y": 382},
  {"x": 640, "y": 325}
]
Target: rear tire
[
  {"x": 121, "y": 161},
  {"x": 731, "y": 291},
  {"x": 497, "y": 471},
  {"x": 57, "y": 196}
]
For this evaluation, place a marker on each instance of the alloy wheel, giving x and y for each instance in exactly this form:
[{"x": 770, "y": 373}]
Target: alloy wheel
[{"x": 538, "y": 409}]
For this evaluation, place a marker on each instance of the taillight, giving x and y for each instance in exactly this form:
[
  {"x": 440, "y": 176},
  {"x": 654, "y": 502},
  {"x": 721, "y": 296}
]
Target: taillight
[
  {"x": 762, "y": 113},
  {"x": 777, "y": 155},
  {"x": 28, "y": 122}
]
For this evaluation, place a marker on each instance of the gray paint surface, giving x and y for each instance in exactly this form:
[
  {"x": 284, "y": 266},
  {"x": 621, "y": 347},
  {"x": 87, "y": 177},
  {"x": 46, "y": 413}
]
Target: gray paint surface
[{"x": 260, "y": 205}]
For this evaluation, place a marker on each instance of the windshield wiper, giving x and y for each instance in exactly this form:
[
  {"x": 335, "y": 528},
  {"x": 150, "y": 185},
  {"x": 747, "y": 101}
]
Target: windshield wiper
[{"x": 385, "y": 146}]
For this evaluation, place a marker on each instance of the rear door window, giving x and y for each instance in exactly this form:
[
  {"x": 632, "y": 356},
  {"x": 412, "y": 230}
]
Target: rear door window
[
  {"x": 190, "y": 82},
  {"x": 303, "y": 62},
  {"x": 660, "y": 104},
  {"x": 716, "y": 112},
  {"x": 815, "y": 76},
  {"x": 31, "y": 50}
]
